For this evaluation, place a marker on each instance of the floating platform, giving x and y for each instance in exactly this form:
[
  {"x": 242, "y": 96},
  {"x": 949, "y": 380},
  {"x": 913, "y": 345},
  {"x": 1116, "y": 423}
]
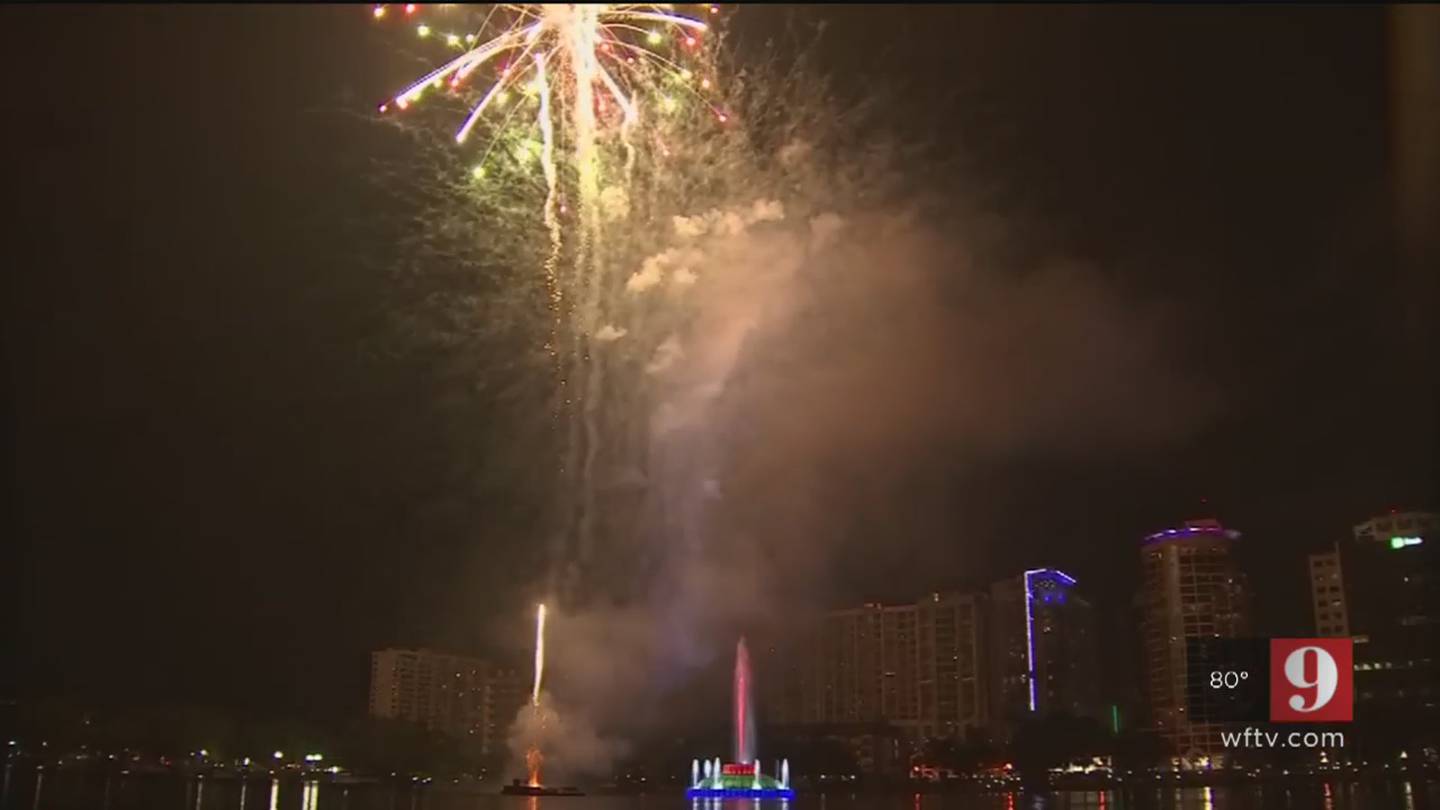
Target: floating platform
[{"x": 518, "y": 788}]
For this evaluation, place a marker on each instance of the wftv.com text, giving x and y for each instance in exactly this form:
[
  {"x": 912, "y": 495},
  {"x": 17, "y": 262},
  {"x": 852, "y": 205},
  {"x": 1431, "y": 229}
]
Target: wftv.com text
[{"x": 1255, "y": 738}]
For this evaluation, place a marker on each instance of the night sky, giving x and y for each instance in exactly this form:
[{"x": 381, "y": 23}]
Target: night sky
[{"x": 225, "y": 494}]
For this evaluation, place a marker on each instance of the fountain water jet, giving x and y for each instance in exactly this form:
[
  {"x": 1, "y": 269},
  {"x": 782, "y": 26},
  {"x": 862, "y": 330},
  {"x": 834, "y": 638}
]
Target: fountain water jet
[{"x": 744, "y": 725}]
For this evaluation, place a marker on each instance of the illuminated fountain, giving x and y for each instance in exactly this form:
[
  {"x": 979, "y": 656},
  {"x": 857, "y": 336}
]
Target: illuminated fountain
[{"x": 740, "y": 778}]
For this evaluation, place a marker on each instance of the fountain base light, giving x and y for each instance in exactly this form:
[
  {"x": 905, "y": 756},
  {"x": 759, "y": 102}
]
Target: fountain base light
[{"x": 740, "y": 781}]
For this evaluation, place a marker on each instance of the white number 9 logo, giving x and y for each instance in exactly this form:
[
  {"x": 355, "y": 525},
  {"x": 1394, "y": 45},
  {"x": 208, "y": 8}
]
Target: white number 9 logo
[{"x": 1327, "y": 677}]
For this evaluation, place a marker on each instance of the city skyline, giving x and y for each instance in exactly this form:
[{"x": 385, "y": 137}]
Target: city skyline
[{"x": 891, "y": 678}]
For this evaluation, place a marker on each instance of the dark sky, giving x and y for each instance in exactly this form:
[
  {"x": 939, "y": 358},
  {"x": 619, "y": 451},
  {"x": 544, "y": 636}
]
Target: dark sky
[{"x": 218, "y": 486}]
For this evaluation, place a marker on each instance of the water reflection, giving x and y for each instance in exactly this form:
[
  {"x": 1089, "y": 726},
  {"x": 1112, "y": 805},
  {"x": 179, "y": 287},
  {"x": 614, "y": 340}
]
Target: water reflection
[
  {"x": 1099, "y": 799},
  {"x": 69, "y": 789}
]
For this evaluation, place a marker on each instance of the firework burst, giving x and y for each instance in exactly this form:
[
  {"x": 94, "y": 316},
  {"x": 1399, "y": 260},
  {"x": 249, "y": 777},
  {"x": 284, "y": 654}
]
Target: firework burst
[
  {"x": 590, "y": 80},
  {"x": 622, "y": 58}
]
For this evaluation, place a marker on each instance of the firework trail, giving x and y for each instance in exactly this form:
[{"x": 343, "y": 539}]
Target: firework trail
[
  {"x": 589, "y": 69},
  {"x": 533, "y": 758},
  {"x": 539, "y": 656}
]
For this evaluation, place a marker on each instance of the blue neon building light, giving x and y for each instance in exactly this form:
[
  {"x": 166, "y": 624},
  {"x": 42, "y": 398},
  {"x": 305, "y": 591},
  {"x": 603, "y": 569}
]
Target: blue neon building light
[{"x": 1030, "y": 577}]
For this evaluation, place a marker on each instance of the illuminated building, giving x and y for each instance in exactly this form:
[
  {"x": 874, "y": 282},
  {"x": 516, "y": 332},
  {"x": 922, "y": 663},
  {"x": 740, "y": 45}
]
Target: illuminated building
[
  {"x": 951, "y": 663},
  {"x": 1043, "y": 649},
  {"x": 462, "y": 697},
  {"x": 1381, "y": 586},
  {"x": 1191, "y": 587},
  {"x": 917, "y": 667},
  {"x": 1327, "y": 595}
]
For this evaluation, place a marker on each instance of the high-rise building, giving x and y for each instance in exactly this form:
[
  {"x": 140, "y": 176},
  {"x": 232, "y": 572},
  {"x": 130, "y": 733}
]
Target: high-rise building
[
  {"x": 951, "y": 658},
  {"x": 1381, "y": 586},
  {"x": 1044, "y": 656},
  {"x": 1191, "y": 588},
  {"x": 1327, "y": 595},
  {"x": 919, "y": 667},
  {"x": 462, "y": 697}
]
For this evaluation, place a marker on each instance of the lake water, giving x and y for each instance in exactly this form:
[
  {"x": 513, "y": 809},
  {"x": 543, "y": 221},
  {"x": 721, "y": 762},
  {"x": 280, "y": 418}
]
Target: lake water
[{"x": 57, "y": 792}]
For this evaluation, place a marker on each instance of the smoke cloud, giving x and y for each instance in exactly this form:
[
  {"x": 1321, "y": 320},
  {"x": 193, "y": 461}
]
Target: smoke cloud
[
  {"x": 804, "y": 339},
  {"x": 569, "y": 744},
  {"x": 821, "y": 355}
]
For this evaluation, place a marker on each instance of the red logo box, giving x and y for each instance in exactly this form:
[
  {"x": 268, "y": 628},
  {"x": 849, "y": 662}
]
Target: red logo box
[{"x": 1312, "y": 680}]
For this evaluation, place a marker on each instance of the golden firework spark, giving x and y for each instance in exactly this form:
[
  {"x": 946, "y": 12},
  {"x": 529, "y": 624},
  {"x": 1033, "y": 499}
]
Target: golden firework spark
[{"x": 621, "y": 56}]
